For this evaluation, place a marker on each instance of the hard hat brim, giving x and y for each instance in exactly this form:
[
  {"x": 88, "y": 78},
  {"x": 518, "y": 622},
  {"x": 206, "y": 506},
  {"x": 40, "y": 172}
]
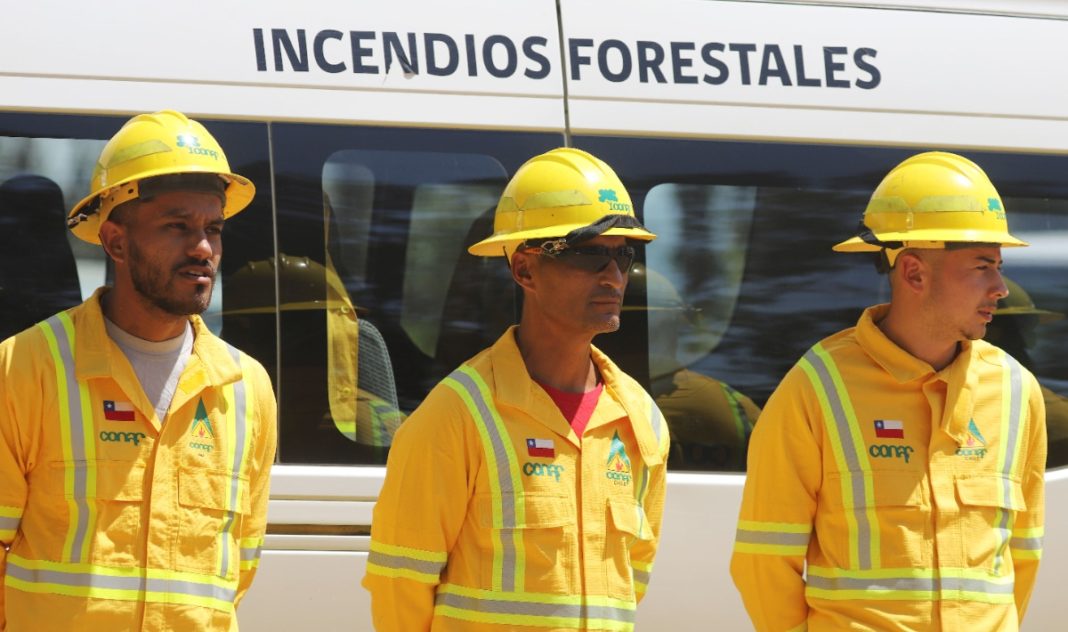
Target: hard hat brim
[
  {"x": 1044, "y": 315},
  {"x": 239, "y": 194},
  {"x": 495, "y": 245},
  {"x": 939, "y": 235}
]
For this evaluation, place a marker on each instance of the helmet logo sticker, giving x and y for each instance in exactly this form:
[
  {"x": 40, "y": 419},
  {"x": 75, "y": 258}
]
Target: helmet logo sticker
[
  {"x": 192, "y": 144},
  {"x": 188, "y": 140},
  {"x": 610, "y": 196}
]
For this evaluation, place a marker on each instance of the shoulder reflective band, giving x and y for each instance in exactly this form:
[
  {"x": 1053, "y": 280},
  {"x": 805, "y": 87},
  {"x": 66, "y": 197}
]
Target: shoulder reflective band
[
  {"x": 9, "y": 523},
  {"x": 538, "y": 610},
  {"x": 851, "y": 460},
  {"x": 506, "y": 486},
  {"x": 237, "y": 447},
  {"x": 784, "y": 539},
  {"x": 418, "y": 565},
  {"x": 121, "y": 584},
  {"x": 909, "y": 584},
  {"x": 77, "y": 436},
  {"x": 1013, "y": 393}
]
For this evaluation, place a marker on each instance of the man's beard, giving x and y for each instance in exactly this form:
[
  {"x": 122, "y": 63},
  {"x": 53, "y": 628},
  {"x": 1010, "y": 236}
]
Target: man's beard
[{"x": 151, "y": 284}]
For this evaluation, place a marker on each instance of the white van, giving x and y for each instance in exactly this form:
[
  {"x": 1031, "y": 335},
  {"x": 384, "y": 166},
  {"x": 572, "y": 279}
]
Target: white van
[{"x": 379, "y": 136}]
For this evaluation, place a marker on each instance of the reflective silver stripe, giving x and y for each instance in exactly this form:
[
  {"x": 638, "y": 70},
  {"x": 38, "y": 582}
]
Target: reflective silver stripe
[
  {"x": 655, "y": 417},
  {"x": 251, "y": 554},
  {"x": 849, "y": 451},
  {"x": 504, "y": 477},
  {"x": 772, "y": 537},
  {"x": 1028, "y": 544},
  {"x": 926, "y": 584},
  {"x": 641, "y": 577},
  {"x": 399, "y": 561},
  {"x": 578, "y": 612},
  {"x": 77, "y": 436},
  {"x": 112, "y": 582},
  {"x": 1006, "y": 517},
  {"x": 9, "y": 524},
  {"x": 235, "y": 467}
]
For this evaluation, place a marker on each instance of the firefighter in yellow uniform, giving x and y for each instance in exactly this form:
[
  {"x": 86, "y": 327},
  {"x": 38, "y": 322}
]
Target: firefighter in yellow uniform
[
  {"x": 135, "y": 446},
  {"x": 895, "y": 479},
  {"x": 526, "y": 492}
]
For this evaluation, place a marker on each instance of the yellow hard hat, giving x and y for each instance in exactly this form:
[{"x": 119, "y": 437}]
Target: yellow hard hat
[
  {"x": 565, "y": 193},
  {"x": 931, "y": 199},
  {"x": 149, "y": 145}
]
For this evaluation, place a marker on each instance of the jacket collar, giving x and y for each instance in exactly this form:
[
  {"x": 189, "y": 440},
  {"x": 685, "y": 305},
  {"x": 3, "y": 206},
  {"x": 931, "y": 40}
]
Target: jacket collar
[
  {"x": 513, "y": 387},
  {"x": 96, "y": 354}
]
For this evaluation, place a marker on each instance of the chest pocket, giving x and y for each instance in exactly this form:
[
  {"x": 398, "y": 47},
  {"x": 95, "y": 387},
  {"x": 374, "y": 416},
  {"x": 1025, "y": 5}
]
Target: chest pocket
[
  {"x": 896, "y": 512},
  {"x": 212, "y": 505},
  {"x": 543, "y": 541},
  {"x": 989, "y": 504}
]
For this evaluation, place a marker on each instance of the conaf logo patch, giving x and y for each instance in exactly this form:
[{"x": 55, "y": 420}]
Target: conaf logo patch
[{"x": 618, "y": 462}]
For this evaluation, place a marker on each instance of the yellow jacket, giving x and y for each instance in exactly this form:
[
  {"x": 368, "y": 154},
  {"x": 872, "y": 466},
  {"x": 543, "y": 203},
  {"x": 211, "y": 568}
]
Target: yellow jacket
[
  {"x": 113, "y": 522},
  {"x": 914, "y": 497},
  {"x": 477, "y": 530}
]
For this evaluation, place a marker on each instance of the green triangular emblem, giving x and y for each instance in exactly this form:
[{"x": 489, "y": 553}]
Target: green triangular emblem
[{"x": 201, "y": 424}]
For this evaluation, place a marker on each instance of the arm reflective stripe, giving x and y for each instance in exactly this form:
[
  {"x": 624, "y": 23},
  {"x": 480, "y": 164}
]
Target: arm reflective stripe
[
  {"x": 534, "y": 609},
  {"x": 850, "y": 457},
  {"x": 1013, "y": 394},
  {"x": 121, "y": 584},
  {"x": 251, "y": 548},
  {"x": 10, "y": 517},
  {"x": 771, "y": 542},
  {"x": 506, "y": 486},
  {"x": 400, "y": 561},
  {"x": 1027, "y": 543},
  {"x": 909, "y": 584},
  {"x": 642, "y": 572},
  {"x": 77, "y": 435}
]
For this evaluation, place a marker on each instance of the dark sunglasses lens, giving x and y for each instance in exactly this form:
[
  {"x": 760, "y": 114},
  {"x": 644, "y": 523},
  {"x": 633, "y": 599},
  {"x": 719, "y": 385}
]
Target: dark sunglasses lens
[{"x": 597, "y": 258}]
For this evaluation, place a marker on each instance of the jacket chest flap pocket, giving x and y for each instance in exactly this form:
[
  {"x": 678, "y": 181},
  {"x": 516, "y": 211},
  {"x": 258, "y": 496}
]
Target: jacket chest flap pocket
[
  {"x": 893, "y": 507},
  {"x": 109, "y": 495},
  {"x": 212, "y": 504},
  {"x": 989, "y": 504},
  {"x": 531, "y": 534},
  {"x": 626, "y": 525}
]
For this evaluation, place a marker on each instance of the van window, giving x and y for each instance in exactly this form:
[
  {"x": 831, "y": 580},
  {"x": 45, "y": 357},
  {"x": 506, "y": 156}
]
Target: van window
[
  {"x": 379, "y": 220},
  {"x": 742, "y": 280}
]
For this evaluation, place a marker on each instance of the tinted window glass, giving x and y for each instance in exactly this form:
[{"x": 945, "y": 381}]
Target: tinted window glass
[
  {"x": 380, "y": 299},
  {"x": 743, "y": 280}
]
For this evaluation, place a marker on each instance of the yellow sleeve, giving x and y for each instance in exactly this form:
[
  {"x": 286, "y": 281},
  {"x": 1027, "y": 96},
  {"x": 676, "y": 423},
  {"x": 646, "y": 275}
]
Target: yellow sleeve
[
  {"x": 265, "y": 440},
  {"x": 643, "y": 551},
  {"x": 419, "y": 513},
  {"x": 1028, "y": 529},
  {"x": 15, "y": 446},
  {"x": 778, "y": 508}
]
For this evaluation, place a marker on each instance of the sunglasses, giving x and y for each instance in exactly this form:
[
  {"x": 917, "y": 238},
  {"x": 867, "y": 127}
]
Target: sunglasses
[{"x": 595, "y": 258}]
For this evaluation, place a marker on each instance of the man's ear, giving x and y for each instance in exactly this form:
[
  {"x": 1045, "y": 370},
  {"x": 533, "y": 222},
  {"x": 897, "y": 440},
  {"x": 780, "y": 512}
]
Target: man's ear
[
  {"x": 113, "y": 238},
  {"x": 523, "y": 264},
  {"x": 913, "y": 272}
]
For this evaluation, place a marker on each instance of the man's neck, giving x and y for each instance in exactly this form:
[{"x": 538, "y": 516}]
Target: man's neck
[
  {"x": 561, "y": 362},
  {"x": 131, "y": 313},
  {"x": 903, "y": 328}
]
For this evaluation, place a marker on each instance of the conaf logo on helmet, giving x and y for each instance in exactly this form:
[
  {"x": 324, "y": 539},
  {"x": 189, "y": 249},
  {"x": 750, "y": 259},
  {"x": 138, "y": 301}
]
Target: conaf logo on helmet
[
  {"x": 610, "y": 196},
  {"x": 192, "y": 145}
]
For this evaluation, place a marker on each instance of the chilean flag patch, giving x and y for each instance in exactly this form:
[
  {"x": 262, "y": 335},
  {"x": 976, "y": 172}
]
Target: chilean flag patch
[
  {"x": 118, "y": 411},
  {"x": 889, "y": 429},
  {"x": 541, "y": 448}
]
